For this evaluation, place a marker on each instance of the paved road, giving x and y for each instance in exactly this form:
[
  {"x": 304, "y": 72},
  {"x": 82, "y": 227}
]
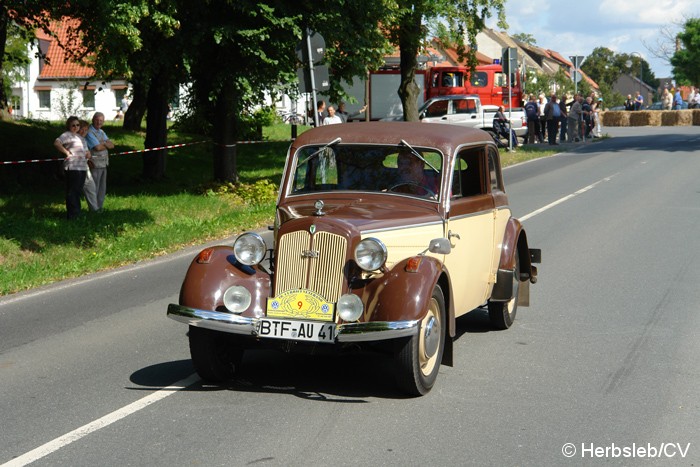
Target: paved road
[{"x": 605, "y": 358}]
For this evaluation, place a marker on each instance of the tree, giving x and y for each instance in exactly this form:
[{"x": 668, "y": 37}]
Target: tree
[
  {"x": 525, "y": 38},
  {"x": 685, "y": 60},
  {"x": 407, "y": 31},
  {"x": 17, "y": 21}
]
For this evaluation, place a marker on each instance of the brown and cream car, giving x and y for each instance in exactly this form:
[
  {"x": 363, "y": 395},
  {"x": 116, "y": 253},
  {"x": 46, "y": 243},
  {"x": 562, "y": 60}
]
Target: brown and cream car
[{"x": 385, "y": 233}]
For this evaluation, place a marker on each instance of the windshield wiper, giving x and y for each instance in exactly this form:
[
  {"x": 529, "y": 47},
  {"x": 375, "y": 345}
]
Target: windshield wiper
[
  {"x": 335, "y": 141},
  {"x": 418, "y": 155}
]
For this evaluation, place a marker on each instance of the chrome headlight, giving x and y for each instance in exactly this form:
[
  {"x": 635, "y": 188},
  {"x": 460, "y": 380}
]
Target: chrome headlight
[
  {"x": 370, "y": 254},
  {"x": 237, "y": 299},
  {"x": 249, "y": 248},
  {"x": 350, "y": 307}
]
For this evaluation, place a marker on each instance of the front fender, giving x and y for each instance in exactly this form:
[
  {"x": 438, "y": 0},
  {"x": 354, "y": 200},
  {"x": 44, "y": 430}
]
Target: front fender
[
  {"x": 401, "y": 295},
  {"x": 205, "y": 282}
]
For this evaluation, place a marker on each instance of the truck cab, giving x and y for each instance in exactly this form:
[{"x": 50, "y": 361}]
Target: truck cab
[{"x": 489, "y": 82}]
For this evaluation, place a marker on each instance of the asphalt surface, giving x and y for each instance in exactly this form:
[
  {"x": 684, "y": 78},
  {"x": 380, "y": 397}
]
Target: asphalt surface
[{"x": 602, "y": 367}]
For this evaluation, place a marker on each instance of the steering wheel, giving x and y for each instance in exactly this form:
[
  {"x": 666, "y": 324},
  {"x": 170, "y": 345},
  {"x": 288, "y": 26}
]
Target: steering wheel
[{"x": 414, "y": 184}]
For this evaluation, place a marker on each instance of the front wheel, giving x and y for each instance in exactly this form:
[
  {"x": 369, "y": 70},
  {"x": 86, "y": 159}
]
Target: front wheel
[
  {"x": 214, "y": 356},
  {"x": 419, "y": 357},
  {"x": 502, "y": 314}
]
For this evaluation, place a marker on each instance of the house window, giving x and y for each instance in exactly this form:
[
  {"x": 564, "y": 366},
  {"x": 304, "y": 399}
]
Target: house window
[
  {"x": 88, "y": 98},
  {"x": 44, "y": 99},
  {"x": 118, "y": 96}
]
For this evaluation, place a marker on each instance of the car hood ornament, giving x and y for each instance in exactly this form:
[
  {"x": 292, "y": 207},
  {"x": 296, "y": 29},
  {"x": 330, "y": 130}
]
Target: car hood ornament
[{"x": 319, "y": 208}]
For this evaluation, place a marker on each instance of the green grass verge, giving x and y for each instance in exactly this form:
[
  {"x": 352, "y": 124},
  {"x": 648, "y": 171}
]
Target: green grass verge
[{"x": 141, "y": 220}]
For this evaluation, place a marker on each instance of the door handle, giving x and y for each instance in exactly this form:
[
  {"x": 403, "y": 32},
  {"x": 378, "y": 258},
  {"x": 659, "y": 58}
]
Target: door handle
[{"x": 450, "y": 235}]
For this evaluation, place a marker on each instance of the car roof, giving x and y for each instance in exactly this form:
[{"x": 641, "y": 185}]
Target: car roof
[{"x": 444, "y": 137}]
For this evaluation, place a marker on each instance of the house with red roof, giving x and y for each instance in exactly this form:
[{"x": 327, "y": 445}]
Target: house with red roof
[{"x": 57, "y": 87}]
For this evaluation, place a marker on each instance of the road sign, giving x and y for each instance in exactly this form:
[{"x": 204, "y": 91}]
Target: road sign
[
  {"x": 321, "y": 79},
  {"x": 317, "y": 46}
]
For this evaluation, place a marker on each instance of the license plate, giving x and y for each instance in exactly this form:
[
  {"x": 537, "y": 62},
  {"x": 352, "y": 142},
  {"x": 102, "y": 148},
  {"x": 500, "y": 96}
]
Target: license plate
[{"x": 297, "y": 330}]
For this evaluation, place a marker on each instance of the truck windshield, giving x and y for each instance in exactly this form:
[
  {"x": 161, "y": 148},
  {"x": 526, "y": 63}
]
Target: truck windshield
[{"x": 383, "y": 169}]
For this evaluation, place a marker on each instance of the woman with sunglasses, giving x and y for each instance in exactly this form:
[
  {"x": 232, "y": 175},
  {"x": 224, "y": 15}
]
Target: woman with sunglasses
[{"x": 75, "y": 165}]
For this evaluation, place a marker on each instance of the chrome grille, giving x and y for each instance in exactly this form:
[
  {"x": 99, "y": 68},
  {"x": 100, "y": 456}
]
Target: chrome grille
[{"x": 322, "y": 274}]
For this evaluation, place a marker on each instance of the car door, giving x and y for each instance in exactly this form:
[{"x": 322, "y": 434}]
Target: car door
[{"x": 470, "y": 228}]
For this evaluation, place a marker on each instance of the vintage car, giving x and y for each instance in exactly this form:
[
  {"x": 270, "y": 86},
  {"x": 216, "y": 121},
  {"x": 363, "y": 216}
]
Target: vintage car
[{"x": 384, "y": 234}]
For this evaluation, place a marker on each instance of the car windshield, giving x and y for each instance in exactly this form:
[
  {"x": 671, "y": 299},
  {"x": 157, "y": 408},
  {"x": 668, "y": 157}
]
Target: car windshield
[{"x": 405, "y": 170}]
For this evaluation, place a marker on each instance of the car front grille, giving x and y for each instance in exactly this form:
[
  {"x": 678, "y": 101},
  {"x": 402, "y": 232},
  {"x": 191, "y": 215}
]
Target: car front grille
[{"x": 314, "y": 262}]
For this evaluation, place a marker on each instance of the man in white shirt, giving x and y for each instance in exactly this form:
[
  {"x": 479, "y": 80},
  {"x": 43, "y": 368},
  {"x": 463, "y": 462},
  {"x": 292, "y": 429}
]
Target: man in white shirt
[{"x": 332, "y": 118}]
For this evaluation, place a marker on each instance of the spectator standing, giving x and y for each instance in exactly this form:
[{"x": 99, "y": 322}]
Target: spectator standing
[
  {"x": 639, "y": 101},
  {"x": 552, "y": 115},
  {"x": 75, "y": 165},
  {"x": 320, "y": 109},
  {"x": 666, "y": 100},
  {"x": 629, "y": 103},
  {"x": 574, "y": 120},
  {"x": 345, "y": 116},
  {"x": 99, "y": 144},
  {"x": 691, "y": 97},
  {"x": 587, "y": 112},
  {"x": 89, "y": 187},
  {"x": 677, "y": 100},
  {"x": 563, "y": 119},
  {"x": 332, "y": 118},
  {"x": 597, "y": 108},
  {"x": 532, "y": 119},
  {"x": 542, "y": 130}
]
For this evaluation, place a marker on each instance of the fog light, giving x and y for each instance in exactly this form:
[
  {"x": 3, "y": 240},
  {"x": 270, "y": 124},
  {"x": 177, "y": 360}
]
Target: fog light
[
  {"x": 350, "y": 307},
  {"x": 237, "y": 299}
]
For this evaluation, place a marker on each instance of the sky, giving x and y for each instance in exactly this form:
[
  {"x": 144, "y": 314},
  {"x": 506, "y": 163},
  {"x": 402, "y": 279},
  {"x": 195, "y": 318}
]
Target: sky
[{"x": 575, "y": 27}]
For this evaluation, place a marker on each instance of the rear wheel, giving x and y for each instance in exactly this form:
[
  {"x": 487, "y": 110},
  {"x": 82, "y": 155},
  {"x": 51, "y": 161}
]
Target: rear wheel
[
  {"x": 419, "y": 357},
  {"x": 214, "y": 356},
  {"x": 502, "y": 314}
]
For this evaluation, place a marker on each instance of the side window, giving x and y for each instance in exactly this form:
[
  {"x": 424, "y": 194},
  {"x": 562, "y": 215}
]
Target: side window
[
  {"x": 500, "y": 79},
  {"x": 467, "y": 179},
  {"x": 437, "y": 109},
  {"x": 479, "y": 79},
  {"x": 494, "y": 171}
]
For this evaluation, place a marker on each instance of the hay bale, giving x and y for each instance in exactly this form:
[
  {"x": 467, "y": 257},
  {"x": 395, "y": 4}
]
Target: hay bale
[
  {"x": 615, "y": 118},
  {"x": 677, "y": 117},
  {"x": 696, "y": 116},
  {"x": 645, "y": 118}
]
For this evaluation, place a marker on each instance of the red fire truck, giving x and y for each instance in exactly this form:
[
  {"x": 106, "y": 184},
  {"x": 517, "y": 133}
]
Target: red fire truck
[{"x": 489, "y": 82}]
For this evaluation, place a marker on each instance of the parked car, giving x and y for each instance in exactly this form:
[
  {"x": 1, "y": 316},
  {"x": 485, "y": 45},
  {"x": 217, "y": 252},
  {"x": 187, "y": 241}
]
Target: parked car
[
  {"x": 660, "y": 106},
  {"x": 466, "y": 110},
  {"x": 384, "y": 234}
]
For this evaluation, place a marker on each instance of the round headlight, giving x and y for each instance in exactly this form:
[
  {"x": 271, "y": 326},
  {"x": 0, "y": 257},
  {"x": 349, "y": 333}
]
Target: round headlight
[
  {"x": 350, "y": 307},
  {"x": 237, "y": 299},
  {"x": 249, "y": 249},
  {"x": 370, "y": 254}
]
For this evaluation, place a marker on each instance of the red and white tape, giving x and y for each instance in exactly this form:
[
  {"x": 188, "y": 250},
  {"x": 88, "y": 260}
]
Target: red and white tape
[{"x": 51, "y": 159}]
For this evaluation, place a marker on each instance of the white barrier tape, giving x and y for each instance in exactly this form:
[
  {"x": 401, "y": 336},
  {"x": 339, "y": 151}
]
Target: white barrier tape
[{"x": 51, "y": 159}]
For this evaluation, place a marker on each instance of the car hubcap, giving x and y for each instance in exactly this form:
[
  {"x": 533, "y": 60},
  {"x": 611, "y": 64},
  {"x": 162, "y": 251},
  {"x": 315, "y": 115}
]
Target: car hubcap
[{"x": 430, "y": 336}]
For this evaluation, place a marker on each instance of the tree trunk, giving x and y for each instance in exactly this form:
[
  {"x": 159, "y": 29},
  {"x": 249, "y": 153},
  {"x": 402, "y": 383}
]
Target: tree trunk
[
  {"x": 137, "y": 108},
  {"x": 154, "y": 162},
  {"x": 224, "y": 132},
  {"x": 4, "y": 19},
  {"x": 409, "y": 43}
]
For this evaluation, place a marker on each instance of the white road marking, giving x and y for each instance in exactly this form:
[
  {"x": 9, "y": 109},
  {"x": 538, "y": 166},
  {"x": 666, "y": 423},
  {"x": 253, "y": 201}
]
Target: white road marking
[
  {"x": 78, "y": 433},
  {"x": 565, "y": 198}
]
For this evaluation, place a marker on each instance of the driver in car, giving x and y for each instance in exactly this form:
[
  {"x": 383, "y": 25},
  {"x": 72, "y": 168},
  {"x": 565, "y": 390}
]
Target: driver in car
[{"x": 412, "y": 178}]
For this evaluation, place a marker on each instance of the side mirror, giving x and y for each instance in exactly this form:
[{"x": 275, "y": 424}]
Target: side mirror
[{"x": 440, "y": 246}]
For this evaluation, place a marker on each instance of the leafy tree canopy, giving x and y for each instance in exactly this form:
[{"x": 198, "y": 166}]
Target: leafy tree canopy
[{"x": 685, "y": 60}]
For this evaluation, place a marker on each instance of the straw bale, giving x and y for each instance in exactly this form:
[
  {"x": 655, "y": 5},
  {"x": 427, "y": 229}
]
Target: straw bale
[{"x": 615, "y": 118}]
